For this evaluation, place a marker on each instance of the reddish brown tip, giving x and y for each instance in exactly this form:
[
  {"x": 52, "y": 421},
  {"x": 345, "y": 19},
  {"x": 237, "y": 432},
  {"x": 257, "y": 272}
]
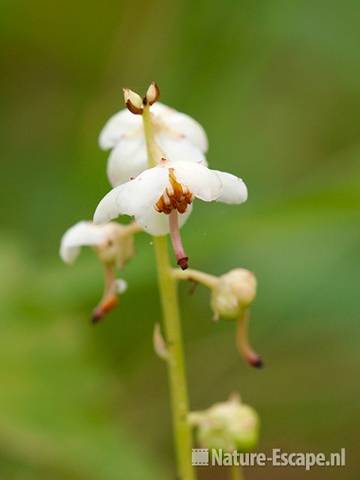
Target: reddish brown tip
[
  {"x": 105, "y": 306},
  {"x": 97, "y": 315},
  {"x": 183, "y": 263},
  {"x": 256, "y": 362},
  {"x": 253, "y": 359}
]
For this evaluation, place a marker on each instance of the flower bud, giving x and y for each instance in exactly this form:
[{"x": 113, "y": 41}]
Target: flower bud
[
  {"x": 233, "y": 293},
  {"x": 228, "y": 425},
  {"x": 133, "y": 101},
  {"x": 152, "y": 94}
]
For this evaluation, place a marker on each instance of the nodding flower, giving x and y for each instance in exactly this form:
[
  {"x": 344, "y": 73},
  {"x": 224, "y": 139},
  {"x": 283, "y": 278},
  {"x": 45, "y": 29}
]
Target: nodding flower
[
  {"x": 177, "y": 136},
  {"x": 229, "y": 425},
  {"x": 231, "y": 297},
  {"x": 161, "y": 198},
  {"x": 114, "y": 246}
]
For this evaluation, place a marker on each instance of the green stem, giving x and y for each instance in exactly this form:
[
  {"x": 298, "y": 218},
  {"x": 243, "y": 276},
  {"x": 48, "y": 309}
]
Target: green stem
[
  {"x": 237, "y": 473},
  {"x": 176, "y": 364},
  {"x": 210, "y": 281},
  {"x": 172, "y": 324},
  {"x": 151, "y": 147}
]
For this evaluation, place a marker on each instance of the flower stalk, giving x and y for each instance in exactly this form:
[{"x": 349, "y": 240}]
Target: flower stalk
[
  {"x": 210, "y": 281},
  {"x": 237, "y": 473},
  {"x": 173, "y": 335}
]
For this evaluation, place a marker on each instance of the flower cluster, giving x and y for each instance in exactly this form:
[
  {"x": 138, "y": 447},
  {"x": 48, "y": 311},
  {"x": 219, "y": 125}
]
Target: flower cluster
[
  {"x": 157, "y": 168},
  {"x": 159, "y": 195},
  {"x": 160, "y": 198}
]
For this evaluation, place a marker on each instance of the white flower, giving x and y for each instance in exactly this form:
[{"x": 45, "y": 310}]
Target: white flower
[
  {"x": 168, "y": 186},
  {"x": 159, "y": 195},
  {"x": 114, "y": 245},
  {"x": 112, "y": 242},
  {"x": 178, "y": 136}
]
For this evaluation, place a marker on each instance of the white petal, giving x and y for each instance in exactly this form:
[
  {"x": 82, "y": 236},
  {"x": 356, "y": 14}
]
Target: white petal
[
  {"x": 120, "y": 125},
  {"x": 80, "y": 234},
  {"x": 157, "y": 223},
  {"x": 234, "y": 189},
  {"x": 181, "y": 123},
  {"x": 127, "y": 160},
  {"x": 133, "y": 197},
  {"x": 180, "y": 149},
  {"x": 191, "y": 129},
  {"x": 201, "y": 181}
]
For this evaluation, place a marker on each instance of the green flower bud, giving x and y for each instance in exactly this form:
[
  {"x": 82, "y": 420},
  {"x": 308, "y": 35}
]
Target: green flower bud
[
  {"x": 233, "y": 293},
  {"x": 228, "y": 425}
]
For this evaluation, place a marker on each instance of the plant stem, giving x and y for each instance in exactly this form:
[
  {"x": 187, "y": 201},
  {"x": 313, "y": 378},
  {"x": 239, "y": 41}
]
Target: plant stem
[
  {"x": 172, "y": 324},
  {"x": 237, "y": 473},
  {"x": 210, "y": 281},
  {"x": 151, "y": 146},
  {"x": 176, "y": 367}
]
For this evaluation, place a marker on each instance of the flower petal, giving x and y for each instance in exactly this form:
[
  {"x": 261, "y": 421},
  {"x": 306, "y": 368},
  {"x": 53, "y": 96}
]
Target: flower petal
[
  {"x": 127, "y": 160},
  {"x": 182, "y": 124},
  {"x": 234, "y": 189},
  {"x": 180, "y": 149},
  {"x": 120, "y": 125},
  {"x": 80, "y": 234},
  {"x": 200, "y": 180},
  {"x": 133, "y": 197},
  {"x": 157, "y": 223}
]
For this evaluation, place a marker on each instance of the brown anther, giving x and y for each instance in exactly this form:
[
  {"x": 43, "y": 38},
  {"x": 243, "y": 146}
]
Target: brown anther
[
  {"x": 175, "y": 197},
  {"x": 152, "y": 94},
  {"x": 133, "y": 109},
  {"x": 133, "y": 101}
]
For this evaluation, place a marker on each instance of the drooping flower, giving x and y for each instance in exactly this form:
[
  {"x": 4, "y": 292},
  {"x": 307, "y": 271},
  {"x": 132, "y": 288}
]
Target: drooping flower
[
  {"x": 113, "y": 242},
  {"x": 161, "y": 198},
  {"x": 178, "y": 137},
  {"x": 229, "y": 425},
  {"x": 114, "y": 246},
  {"x": 231, "y": 297}
]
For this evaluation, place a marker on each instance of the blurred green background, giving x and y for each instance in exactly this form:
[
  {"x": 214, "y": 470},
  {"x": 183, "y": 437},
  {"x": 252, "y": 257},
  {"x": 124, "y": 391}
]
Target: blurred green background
[{"x": 276, "y": 84}]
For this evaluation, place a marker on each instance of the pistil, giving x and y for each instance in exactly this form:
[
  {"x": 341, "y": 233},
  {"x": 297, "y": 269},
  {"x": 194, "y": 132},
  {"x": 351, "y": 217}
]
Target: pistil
[
  {"x": 181, "y": 257},
  {"x": 110, "y": 297},
  {"x": 242, "y": 342}
]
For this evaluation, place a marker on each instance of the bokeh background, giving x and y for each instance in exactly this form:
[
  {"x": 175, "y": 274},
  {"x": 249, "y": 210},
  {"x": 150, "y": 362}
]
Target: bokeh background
[{"x": 276, "y": 84}]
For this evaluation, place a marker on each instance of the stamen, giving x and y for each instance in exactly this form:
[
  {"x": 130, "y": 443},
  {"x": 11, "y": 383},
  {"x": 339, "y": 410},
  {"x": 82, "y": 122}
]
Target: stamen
[
  {"x": 181, "y": 257},
  {"x": 242, "y": 342},
  {"x": 175, "y": 197},
  {"x": 166, "y": 198},
  {"x": 170, "y": 190}
]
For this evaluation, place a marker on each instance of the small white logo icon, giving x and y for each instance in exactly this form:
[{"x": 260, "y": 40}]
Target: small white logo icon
[{"x": 200, "y": 456}]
